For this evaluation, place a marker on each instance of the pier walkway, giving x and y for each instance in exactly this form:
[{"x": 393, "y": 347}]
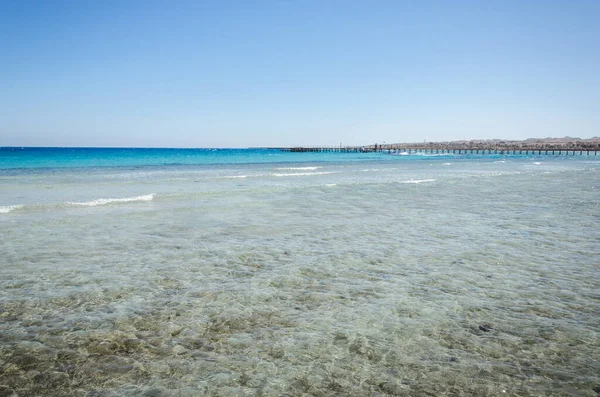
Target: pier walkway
[{"x": 432, "y": 149}]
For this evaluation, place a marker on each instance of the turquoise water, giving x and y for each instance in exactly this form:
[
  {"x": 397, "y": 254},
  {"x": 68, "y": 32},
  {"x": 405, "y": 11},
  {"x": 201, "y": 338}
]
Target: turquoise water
[
  {"x": 167, "y": 272},
  {"x": 16, "y": 157}
]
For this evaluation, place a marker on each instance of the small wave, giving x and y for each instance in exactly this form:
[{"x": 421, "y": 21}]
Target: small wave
[
  {"x": 5, "y": 209},
  {"x": 298, "y": 168},
  {"x": 235, "y": 176},
  {"x": 418, "y": 181},
  {"x": 304, "y": 174},
  {"x": 500, "y": 173},
  {"x": 447, "y": 164},
  {"x": 93, "y": 203},
  {"x": 537, "y": 163}
]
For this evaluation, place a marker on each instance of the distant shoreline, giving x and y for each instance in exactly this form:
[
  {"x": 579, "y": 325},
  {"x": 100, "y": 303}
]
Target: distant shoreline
[{"x": 566, "y": 143}]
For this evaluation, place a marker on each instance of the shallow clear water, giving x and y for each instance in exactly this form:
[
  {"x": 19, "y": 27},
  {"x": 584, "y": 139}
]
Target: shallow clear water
[{"x": 349, "y": 276}]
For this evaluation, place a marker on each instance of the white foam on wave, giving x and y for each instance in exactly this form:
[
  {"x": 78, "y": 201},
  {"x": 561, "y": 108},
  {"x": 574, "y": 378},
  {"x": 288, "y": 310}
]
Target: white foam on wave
[
  {"x": 5, "y": 209},
  {"x": 235, "y": 176},
  {"x": 103, "y": 201},
  {"x": 303, "y": 173},
  {"x": 537, "y": 163},
  {"x": 418, "y": 181},
  {"x": 298, "y": 168}
]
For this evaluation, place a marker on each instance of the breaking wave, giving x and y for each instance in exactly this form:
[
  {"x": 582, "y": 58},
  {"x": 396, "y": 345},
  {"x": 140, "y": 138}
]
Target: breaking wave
[
  {"x": 5, "y": 209},
  {"x": 303, "y": 173},
  {"x": 299, "y": 168},
  {"x": 418, "y": 181},
  {"x": 104, "y": 201}
]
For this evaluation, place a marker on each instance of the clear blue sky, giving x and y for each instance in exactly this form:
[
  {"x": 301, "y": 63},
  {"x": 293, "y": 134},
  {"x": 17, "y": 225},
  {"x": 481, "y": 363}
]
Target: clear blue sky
[{"x": 279, "y": 73}]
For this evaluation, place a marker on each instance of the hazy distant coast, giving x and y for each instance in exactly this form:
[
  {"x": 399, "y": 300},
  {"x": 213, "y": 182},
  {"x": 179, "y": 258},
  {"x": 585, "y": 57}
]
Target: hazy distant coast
[{"x": 566, "y": 143}]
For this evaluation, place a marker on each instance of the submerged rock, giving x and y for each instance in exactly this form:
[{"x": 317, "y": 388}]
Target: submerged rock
[
  {"x": 178, "y": 349},
  {"x": 155, "y": 392},
  {"x": 173, "y": 329}
]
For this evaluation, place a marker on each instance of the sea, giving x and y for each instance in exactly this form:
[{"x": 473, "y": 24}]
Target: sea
[{"x": 257, "y": 272}]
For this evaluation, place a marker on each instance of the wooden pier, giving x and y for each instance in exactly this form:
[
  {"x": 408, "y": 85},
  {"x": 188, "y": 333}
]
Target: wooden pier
[
  {"x": 345, "y": 149},
  {"x": 569, "y": 149}
]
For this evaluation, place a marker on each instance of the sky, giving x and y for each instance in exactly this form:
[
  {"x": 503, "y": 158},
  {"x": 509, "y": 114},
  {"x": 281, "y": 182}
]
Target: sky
[{"x": 293, "y": 73}]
